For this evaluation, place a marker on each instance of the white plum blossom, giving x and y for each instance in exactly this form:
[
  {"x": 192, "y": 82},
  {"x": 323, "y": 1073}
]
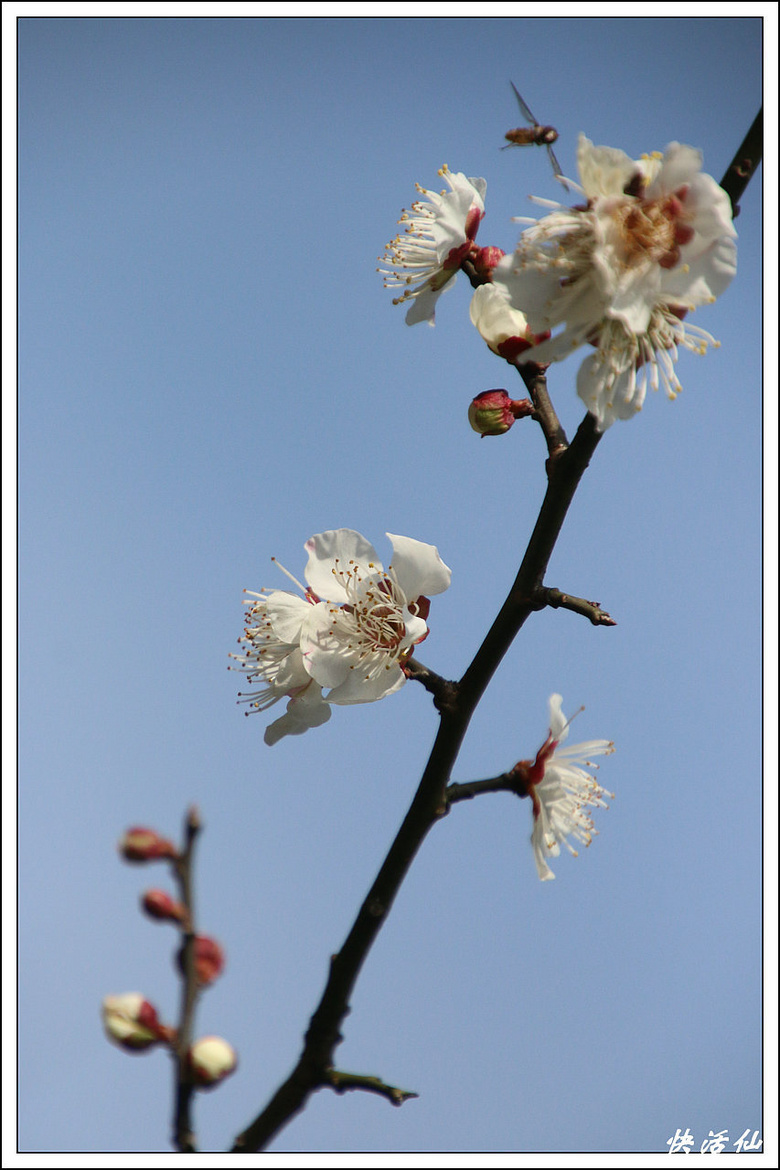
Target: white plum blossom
[
  {"x": 653, "y": 242},
  {"x": 350, "y": 631},
  {"x": 561, "y": 790},
  {"x": 438, "y": 235},
  {"x": 272, "y": 632}
]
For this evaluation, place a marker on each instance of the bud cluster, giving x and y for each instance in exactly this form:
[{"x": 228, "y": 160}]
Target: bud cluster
[{"x": 130, "y": 1020}]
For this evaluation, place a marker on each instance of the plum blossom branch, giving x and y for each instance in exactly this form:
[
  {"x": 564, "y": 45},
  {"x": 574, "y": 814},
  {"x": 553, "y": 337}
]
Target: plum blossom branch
[
  {"x": 535, "y": 378},
  {"x": 555, "y": 599},
  {"x": 441, "y": 688},
  {"x": 344, "y": 1082},
  {"x": 506, "y": 782},
  {"x": 745, "y": 162},
  {"x": 556, "y": 780}
]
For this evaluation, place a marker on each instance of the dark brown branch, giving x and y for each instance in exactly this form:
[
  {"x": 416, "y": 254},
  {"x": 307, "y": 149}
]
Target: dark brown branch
[
  {"x": 183, "y": 1136},
  {"x": 589, "y": 609},
  {"x": 745, "y": 163},
  {"x": 526, "y": 594},
  {"x": 506, "y": 782},
  {"x": 441, "y": 688},
  {"x": 344, "y": 1082},
  {"x": 535, "y": 378}
]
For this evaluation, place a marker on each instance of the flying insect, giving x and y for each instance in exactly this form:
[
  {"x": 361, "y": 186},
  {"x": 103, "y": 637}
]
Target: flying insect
[{"x": 533, "y": 134}]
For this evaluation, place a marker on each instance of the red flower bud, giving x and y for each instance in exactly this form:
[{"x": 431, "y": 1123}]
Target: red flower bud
[
  {"x": 493, "y": 412},
  {"x": 140, "y": 844},
  {"x": 209, "y": 959},
  {"x": 159, "y": 904},
  {"x": 485, "y": 260}
]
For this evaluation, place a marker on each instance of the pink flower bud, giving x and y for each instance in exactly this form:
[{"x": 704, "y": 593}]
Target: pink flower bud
[
  {"x": 485, "y": 260},
  {"x": 211, "y": 1059},
  {"x": 209, "y": 959},
  {"x": 159, "y": 904},
  {"x": 140, "y": 844},
  {"x": 493, "y": 412},
  {"x": 131, "y": 1021}
]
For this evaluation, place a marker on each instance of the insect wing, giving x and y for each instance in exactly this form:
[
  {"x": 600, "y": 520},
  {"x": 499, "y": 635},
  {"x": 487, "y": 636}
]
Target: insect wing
[
  {"x": 556, "y": 166},
  {"x": 523, "y": 107}
]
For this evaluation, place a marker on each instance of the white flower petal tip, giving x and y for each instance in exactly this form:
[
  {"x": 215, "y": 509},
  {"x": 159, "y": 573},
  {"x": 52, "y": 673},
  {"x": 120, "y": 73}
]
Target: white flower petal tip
[
  {"x": 562, "y": 790},
  {"x": 438, "y": 235},
  {"x": 350, "y": 633},
  {"x": 653, "y": 241}
]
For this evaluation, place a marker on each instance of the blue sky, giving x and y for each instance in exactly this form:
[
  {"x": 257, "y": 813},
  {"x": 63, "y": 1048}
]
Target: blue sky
[{"x": 210, "y": 372}]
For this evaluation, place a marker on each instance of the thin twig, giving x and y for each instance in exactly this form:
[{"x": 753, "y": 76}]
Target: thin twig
[
  {"x": 589, "y": 609},
  {"x": 183, "y": 1135},
  {"x": 506, "y": 782},
  {"x": 344, "y": 1082}
]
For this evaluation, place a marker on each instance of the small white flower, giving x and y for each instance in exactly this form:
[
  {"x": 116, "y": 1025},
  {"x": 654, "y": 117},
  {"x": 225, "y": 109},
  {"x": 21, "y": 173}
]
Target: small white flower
[
  {"x": 272, "y": 635},
  {"x": 351, "y": 631},
  {"x": 561, "y": 790},
  {"x": 654, "y": 241},
  {"x": 437, "y": 237}
]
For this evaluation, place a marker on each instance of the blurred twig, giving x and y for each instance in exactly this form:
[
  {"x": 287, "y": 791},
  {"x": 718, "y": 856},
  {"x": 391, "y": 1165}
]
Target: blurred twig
[{"x": 183, "y": 1135}]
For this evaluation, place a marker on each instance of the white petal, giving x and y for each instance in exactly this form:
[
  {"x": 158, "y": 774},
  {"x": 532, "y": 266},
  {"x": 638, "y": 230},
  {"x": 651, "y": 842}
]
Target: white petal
[
  {"x": 286, "y": 612},
  {"x": 305, "y": 710},
  {"x": 418, "y": 568},
  {"x": 698, "y": 281},
  {"x": 357, "y": 687},
  {"x": 604, "y": 170},
  {"x": 290, "y": 673},
  {"x": 423, "y": 306},
  {"x": 680, "y": 165},
  {"x": 558, "y": 727},
  {"x": 326, "y": 656},
  {"x": 416, "y": 629},
  {"x": 540, "y": 849},
  {"x": 344, "y": 545}
]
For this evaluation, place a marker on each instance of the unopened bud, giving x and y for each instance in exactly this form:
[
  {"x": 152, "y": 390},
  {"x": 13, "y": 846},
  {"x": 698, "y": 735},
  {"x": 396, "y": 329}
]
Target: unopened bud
[
  {"x": 141, "y": 844},
  {"x": 211, "y": 1059},
  {"x": 159, "y": 904},
  {"x": 485, "y": 260},
  {"x": 209, "y": 959},
  {"x": 504, "y": 329},
  {"x": 131, "y": 1021},
  {"x": 493, "y": 412}
]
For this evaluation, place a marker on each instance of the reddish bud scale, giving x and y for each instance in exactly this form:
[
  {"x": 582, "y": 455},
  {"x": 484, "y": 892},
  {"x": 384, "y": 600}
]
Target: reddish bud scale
[
  {"x": 142, "y": 844},
  {"x": 209, "y": 959},
  {"x": 160, "y": 905},
  {"x": 485, "y": 260}
]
